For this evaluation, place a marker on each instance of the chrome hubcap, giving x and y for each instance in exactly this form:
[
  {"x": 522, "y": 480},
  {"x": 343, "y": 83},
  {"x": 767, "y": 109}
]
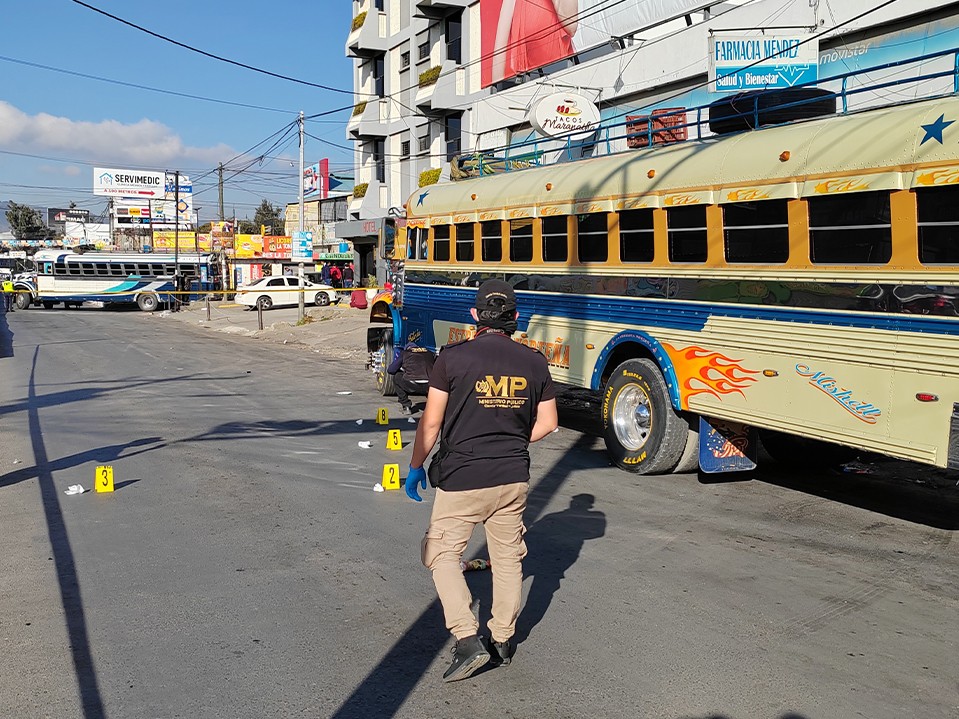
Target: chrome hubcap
[{"x": 632, "y": 418}]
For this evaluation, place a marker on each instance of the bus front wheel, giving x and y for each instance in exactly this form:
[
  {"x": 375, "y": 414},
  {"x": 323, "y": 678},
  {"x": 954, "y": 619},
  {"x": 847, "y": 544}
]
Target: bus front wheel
[
  {"x": 24, "y": 300},
  {"x": 642, "y": 431},
  {"x": 148, "y": 302}
]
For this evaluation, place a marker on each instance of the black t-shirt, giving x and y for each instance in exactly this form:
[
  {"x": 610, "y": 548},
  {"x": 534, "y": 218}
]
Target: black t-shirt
[{"x": 494, "y": 386}]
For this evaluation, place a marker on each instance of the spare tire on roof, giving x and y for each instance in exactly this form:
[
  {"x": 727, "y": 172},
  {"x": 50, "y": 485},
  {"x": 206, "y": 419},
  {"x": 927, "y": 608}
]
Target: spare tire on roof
[{"x": 770, "y": 107}]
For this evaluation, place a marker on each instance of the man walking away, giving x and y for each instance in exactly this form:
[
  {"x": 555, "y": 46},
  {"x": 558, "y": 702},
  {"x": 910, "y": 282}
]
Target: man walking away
[
  {"x": 411, "y": 370},
  {"x": 9, "y": 295},
  {"x": 348, "y": 275},
  {"x": 489, "y": 397}
]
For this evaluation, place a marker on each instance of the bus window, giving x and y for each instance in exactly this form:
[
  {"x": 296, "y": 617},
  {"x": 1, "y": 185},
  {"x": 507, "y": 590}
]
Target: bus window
[
  {"x": 521, "y": 240},
  {"x": 555, "y": 247},
  {"x": 592, "y": 243},
  {"x": 636, "y": 235},
  {"x": 412, "y": 240},
  {"x": 852, "y": 229},
  {"x": 115, "y": 269},
  {"x": 756, "y": 232},
  {"x": 464, "y": 242},
  {"x": 441, "y": 243},
  {"x": 938, "y": 225},
  {"x": 88, "y": 269},
  {"x": 687, "y": 233},
  {"x": 491, "y": 236},
  {"x": 73, "y": 268}
]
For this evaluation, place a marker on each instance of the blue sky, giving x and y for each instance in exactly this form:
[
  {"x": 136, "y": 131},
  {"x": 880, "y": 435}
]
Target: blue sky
[{"x": 71, "y": 123}]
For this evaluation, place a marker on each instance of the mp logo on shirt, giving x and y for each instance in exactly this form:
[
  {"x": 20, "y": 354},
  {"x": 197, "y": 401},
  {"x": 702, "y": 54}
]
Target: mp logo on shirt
[{"x": 503, "y": 391}]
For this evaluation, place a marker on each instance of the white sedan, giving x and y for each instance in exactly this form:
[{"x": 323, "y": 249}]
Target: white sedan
[{"x": 269, "y": 292}]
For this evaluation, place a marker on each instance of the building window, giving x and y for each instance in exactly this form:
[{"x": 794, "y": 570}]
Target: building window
[
  {"x": 379, "y": 160},
  {"x": 756, "y": 231},
  {"x": 454, "y": 38},
  {"x": 938, "y": 209},
  {"x": 591, "y": 238},
  {"x": 851, "y": 229},
  {"x": 521, "y": 240},
  {"x": 405, "y": 148},
  {"x": 491, "y": 236},
  {"x": 378, "y": 5},
  {"x": 423, "y": 142},
  {"x": 423, "y": 50},
  {"x": 687, "y": 233},
  {"x": 464, "y": 242},
  {"x": 636, "y": 235},
  {"x": 404, "y": 60},
  {"x": 555, "y": 245},
  {"x": 453, "y": 125},
  {"x": 378, "y": 67},
  {"x": 441, "y": 243}
]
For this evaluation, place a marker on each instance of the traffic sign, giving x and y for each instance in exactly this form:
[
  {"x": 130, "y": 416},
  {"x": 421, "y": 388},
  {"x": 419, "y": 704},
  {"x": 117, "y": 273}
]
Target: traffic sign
[{"x": 128, "y": 183}]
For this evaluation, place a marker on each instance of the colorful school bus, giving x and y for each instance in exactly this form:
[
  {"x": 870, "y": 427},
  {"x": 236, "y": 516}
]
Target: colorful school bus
[{"x": 799, "y": 282}]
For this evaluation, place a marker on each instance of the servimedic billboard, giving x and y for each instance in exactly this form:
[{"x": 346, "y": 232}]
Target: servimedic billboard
[{"x": 523, "y": 35}]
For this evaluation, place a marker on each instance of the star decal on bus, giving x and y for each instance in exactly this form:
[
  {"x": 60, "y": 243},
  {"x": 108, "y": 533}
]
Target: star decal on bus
[
  {"x": 421, "y": 198},
  {"x": 934, "y": 129}
]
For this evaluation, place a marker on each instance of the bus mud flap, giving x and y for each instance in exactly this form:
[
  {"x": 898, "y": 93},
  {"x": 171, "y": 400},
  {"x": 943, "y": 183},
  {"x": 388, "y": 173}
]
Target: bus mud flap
[
  {"x": 726, "y": 446},
  {"x": 953, "y": 461}
]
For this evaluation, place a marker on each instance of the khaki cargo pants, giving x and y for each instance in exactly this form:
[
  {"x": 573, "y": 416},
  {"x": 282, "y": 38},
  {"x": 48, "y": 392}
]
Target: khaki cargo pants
[{"x": 455, "y": 514}]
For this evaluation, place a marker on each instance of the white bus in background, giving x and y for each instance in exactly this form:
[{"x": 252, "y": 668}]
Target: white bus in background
[{"x": 112, "y": 278}]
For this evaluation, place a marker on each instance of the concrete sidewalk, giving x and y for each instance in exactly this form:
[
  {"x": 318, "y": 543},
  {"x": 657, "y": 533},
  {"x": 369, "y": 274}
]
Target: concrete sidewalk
[{"x": 337, "y": 331}]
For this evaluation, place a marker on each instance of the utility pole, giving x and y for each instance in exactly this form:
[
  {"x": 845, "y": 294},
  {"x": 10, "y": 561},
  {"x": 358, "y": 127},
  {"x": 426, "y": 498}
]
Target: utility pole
[
  {"x": 176, "y": 240},
  {"x": 300, "y": 220},
  {"x": 219, "y": 171}
]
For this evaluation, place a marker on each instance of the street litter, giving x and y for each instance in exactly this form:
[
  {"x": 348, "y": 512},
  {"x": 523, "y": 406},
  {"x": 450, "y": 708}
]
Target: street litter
[
  {"x": 344, "y": 393},
  {"x": 359, "y": 421},
  {"x": 75, "y": 489},
  {"x": 858, "y": 468},
  {"x": 378, "y": 487},
  {"x": 17, "y": 461},
  {"x": 411, "y": 420},
  {"x": 365, "y": 445},
  {"x": 475, "y": 565}
]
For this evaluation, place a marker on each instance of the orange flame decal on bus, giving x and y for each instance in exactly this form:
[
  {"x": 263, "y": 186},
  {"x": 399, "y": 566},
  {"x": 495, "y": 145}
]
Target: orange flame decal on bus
[{"x": 700, "y": 371}]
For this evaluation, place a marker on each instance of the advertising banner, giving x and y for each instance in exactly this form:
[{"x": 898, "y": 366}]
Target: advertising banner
[
  {"x": 249, "y": 246},
  {"x": 128, "y": 183},
  {"x": 516, "y": 37},
  {"x": 311, "y": 181},
  {"x": 276, "y": 247},
  {"x": 738, "y": 63},
  {"x": 222, "y": 235},
  {"x": 165, "y": 241},
  {"x": 58, "y": 217},
  {"x": 302, "y": 247}
]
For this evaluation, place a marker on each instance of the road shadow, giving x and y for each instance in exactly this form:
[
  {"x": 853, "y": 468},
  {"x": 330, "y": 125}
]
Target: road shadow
[
  {"x": 100, "y": 455},
  {"x": 787, "y": 715},
  {"x": 84, "y": 668},
  {"x": 6, "y": 334},
  {"x": 392, "y": 680}
]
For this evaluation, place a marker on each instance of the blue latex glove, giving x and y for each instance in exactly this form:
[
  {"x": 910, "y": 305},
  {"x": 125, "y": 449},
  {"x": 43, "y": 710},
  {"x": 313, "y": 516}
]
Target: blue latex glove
[{"x": 417, "y": 475}]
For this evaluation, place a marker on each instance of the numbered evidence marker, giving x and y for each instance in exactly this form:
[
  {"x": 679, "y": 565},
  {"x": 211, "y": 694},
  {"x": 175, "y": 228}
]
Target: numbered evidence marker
[
  {"x": 391, "y": 476},
  {"x": 103, "y": 478},
  {"x": 393, "y": 440},
  {"x": 382, "y": 416}
]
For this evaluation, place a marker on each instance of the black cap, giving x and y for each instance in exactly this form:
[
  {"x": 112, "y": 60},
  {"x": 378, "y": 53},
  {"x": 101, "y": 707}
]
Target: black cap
[{"x": 495, "y": 295}]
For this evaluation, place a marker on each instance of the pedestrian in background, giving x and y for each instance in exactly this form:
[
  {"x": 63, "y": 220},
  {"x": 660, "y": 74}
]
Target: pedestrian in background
[
  {"x": 348, "y": 275},
  {"x": 489, "y": 397},
  {"x": 335, "y": 276},
  {"x": 9, "y": 295},
  {"x": 411, "y": 369}
]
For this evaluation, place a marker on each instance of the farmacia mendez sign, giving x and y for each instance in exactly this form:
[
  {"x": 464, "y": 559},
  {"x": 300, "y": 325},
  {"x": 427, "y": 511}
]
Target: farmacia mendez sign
[{"x": 564, "y": 112}]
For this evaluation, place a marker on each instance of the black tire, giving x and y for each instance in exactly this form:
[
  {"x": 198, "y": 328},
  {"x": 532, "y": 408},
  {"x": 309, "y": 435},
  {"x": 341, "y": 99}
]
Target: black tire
[
  {"x": 642, "y": 431},
  {"x": 384, "y": 380},
  {"x": 689, "y": 460},
  {"x": 48, "y": 305},
  {"x": 790, "y": 449},
  {"x": 264, "y": 303},
  {"x": 24, "y": 300},
  {"x": 148, "y": 302},
  {"x": 739, "y": 112},
  {"x": 322, "y": 299}
]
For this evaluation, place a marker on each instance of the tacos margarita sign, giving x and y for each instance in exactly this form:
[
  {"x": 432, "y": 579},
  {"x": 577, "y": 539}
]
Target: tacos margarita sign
[{"x": 564, "y": 112}]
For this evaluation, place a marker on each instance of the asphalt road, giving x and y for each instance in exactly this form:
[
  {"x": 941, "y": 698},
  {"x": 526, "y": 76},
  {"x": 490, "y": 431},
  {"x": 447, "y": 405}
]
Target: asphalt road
[{"x": 245, "y": 568}]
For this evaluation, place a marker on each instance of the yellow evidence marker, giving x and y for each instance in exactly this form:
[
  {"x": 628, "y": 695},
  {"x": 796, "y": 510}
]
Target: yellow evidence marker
[
  {"x": 382, "y": 416},
  {"x": 393, "y": 440},
  {"x": 391, "y": 476},
  {"x": 103, "y": 478}
]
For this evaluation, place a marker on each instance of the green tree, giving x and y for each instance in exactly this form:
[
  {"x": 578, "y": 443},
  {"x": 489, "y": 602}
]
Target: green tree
[
  {"x": 26, "y": 223},
  {"x": 269, "y": 216}
]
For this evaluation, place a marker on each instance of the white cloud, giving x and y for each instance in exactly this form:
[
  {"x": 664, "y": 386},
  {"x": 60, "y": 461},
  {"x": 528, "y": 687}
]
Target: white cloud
[
  {"x": 142, "y": 144},
  {"x": 71, "y": 170}
]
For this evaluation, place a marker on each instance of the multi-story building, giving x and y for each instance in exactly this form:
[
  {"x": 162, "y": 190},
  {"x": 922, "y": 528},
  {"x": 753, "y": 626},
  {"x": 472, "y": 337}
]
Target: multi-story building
[{"x": 438, "y": 80}]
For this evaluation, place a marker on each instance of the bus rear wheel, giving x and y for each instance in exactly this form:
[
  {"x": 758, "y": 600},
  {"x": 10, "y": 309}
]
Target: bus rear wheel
[
  {"x": 642, "y": 431},
  {"x": 148, "y": 302},
  {"x": 48, "y": 305},
  {"x": 24, "y": 300},
  {"x": 383, "y": 356}
]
